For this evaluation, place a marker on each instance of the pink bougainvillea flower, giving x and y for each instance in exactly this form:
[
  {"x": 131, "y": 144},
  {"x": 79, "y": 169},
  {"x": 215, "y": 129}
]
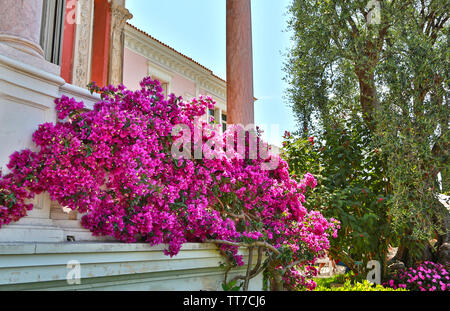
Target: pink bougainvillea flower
[{"x": 119, "y": 165}]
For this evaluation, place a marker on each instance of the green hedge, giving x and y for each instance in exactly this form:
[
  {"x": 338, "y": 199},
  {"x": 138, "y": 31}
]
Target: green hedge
[
  {"x": 365, "y": 286},
  {"x": 349, "y": 282}
]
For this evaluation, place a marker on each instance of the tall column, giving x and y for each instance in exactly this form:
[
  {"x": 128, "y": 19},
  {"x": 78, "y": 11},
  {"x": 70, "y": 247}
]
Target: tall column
[
  {"x": 119, "y": 17},
  {"x": 82, "y": 57},
  {"x": 28, "y": 86},
  {"x": 101, "y": 42},
  {"x": 240, "y": 100}
]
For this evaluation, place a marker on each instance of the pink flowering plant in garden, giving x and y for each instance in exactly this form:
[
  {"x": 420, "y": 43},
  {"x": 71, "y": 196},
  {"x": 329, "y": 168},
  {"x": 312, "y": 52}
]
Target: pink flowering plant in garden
[
  {"x": 115, "y": 164},
  {"x": 428, "y": 276}
]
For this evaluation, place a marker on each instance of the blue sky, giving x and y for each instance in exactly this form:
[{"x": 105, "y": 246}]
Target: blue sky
[{"x": 197, "y": 28}]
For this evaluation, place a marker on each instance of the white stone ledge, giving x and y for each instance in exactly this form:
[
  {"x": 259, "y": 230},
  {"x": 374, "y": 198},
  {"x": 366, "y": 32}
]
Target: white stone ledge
[
  {"x": 89, "y": 247},
  {"x": 116, "y": 266},
  {"x": 80, "y": 94},
  {"x": 29, "y": 71}
]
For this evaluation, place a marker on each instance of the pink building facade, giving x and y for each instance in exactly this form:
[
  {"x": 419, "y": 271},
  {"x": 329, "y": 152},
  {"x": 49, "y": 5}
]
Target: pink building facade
[{"x": 144, "y": 56}]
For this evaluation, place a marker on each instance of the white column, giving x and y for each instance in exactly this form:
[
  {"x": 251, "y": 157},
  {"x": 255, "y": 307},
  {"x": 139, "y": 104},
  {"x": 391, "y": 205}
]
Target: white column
[
  {"x": 20, "y": 25},
  {"x": 28, "y": 86},
  {"x": 20, "y": 29}
]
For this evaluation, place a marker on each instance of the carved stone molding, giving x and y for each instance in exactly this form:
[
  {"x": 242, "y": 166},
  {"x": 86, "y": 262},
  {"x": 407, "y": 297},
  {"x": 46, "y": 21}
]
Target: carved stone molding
[
  {"x": 83, "y": 43},
  {"x": 23, "y": 45},
  {"x": 20, "y": 23},
  {"x": 119, "y": 17},
  {"x": 167, "y": 58}
]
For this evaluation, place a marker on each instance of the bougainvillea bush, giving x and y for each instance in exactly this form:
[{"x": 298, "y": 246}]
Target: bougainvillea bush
[
  {"x": 428, "y": 276},
  {"x": 114, "y": 164}
]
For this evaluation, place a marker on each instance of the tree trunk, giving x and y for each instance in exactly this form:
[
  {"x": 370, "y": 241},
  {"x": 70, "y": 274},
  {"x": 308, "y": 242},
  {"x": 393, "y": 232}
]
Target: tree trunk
[
  {"x": 276, "y": 282},
  {"x": 443, "y": 245},
  {"x": 367, "y": 94}
]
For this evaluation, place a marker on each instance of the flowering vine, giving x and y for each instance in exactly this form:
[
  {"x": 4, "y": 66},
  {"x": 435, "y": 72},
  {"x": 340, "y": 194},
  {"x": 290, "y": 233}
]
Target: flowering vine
[{"x": 114, "y": 165}]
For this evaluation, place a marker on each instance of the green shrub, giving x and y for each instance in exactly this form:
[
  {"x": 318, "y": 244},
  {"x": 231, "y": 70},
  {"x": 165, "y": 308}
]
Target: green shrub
[
  {"x": 326, "y": 282},
  {"x": 351, "y": 187},
  {"x": 348, "y": 282},
  {"x": 365, "y": 286}
]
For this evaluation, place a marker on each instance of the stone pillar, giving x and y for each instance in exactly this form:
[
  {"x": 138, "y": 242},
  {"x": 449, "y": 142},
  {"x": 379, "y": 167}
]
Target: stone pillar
[
  {"x": 218, "y": 115},
  {"x": 20, "y": 25},
  {"x": 81, "y": 70},
  {"x": 240, "y": 100},
  {"x": 28, "y": 86},
  {"x": 119, "y": 17},
  {"x": 101, "y": 42}
]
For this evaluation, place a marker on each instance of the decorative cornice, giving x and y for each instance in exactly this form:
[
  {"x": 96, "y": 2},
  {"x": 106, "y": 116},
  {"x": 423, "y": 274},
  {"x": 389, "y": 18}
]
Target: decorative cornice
[{"x": 165, "y": 56}]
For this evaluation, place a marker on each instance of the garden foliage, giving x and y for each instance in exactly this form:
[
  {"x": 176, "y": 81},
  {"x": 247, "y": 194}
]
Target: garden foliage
[
  {"x": 352, "y": 187},
  {"x": 383, "y": 63},
  {"x": 365, "y": 286},
  {"x": 428, "y": 276}
]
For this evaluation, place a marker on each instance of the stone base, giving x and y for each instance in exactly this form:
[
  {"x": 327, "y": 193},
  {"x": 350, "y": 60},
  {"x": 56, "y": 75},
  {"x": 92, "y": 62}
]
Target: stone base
[
  {"x": 70, "y": 223},
  {"x": 31, "y": 230},
  {"x": 74, "y": 232},
  {"x": 26, "y": 58}
]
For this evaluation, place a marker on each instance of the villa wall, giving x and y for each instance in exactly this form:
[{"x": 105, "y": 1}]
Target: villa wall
[
  {"x": 135, "y": 69},
  {"x": 146, "y": 56},
  {"x": 183, "y": 87},
  {"x": 137, "y": 66},
  {"x": 36, "y": 251}
]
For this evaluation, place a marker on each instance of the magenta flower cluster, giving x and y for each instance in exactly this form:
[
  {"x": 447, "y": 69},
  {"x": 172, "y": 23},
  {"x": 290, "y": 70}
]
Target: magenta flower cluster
[
  {"x": 301, "y": 277},
  {"x": 114, "y": 165},
  {"x": 427, "y": 276}
]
